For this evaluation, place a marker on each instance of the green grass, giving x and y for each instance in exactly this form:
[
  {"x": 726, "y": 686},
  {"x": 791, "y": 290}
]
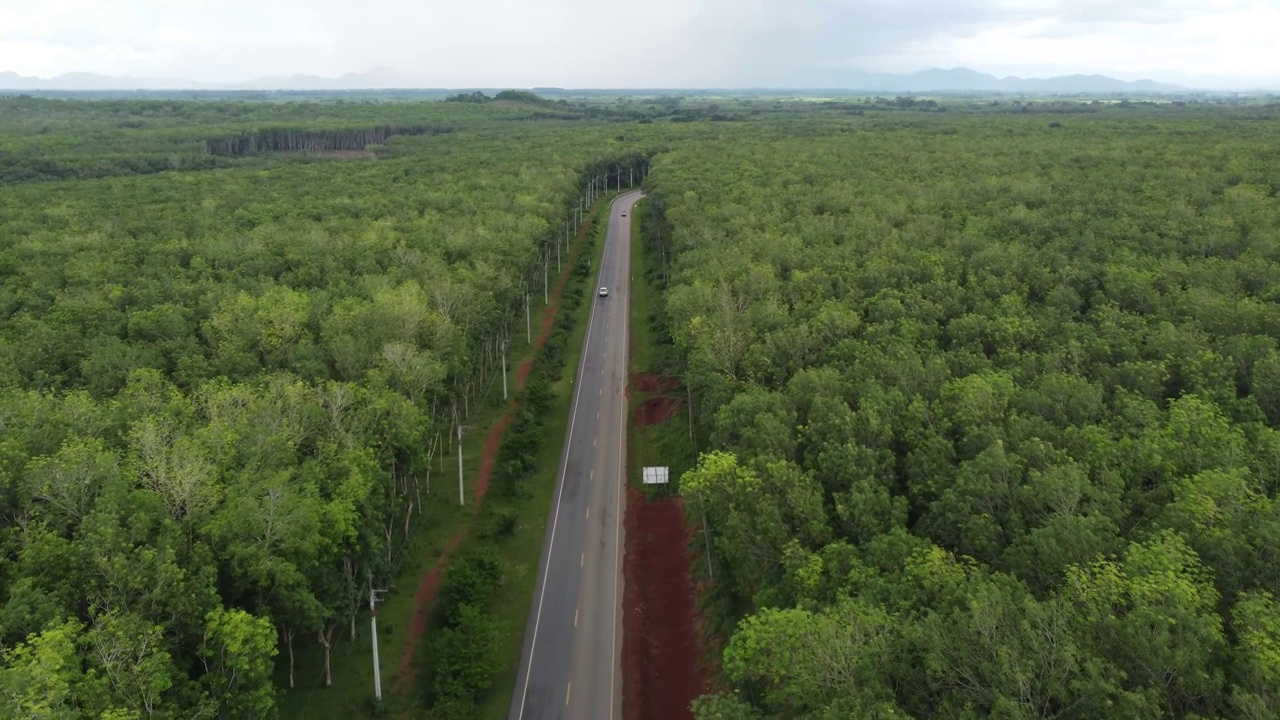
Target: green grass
[
  {"x": 665, "y": 444},
  {"x": 352, "y": 663}
]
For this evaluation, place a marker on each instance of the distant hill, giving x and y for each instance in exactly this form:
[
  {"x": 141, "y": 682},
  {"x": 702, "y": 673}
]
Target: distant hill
[
  {"x": 966, "y": 80},
  {"x": 935, "y": 80},
  {"x": 378, "y": 79},
  {"x": 91, "y": 81}
]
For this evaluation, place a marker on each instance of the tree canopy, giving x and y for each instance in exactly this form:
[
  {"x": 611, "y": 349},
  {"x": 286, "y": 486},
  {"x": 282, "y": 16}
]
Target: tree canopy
[{"x": 991, "y": 409}]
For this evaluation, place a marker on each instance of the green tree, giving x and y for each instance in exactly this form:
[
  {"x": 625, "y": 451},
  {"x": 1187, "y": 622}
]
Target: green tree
[{"x": 236, "y": 653}]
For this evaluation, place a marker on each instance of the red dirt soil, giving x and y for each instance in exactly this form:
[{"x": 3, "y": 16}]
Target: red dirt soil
[
  {"x": 647, "y": 383},
  {"x": 660, "y": 645},
  {"x": 429, "y": 583},
  {"x": 656, "y": 410}
]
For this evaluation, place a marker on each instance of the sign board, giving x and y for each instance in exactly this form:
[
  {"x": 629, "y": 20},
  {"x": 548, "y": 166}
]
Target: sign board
[{"x": 656, "y": 475}]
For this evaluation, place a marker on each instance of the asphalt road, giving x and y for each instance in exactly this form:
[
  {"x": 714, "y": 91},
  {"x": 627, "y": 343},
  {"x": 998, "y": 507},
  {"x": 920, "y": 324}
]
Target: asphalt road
[{"x": 571, "y": 665}]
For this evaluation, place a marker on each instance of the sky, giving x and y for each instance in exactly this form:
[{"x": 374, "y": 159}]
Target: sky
[{"x": 658, "y": 43}]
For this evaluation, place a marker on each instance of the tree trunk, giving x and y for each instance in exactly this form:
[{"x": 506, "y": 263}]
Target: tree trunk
[
  {"x": 355, "y": 592},
  {"x": 325, "y": 635},
  {"x": 288, "y": 641},
  {"x": 390, "y": 533}
]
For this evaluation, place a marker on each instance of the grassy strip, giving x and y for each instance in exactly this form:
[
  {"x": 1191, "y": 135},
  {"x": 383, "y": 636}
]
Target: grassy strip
[{"x": 664, "y": 444}]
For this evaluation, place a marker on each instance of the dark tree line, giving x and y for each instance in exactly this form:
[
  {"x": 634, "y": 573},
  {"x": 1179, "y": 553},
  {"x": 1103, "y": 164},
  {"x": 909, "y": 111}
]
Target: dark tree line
[{"x": 299, "y": 139}]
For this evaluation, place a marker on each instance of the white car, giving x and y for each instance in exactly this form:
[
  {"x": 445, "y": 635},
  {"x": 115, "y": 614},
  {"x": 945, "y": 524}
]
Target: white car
[
  {"x": 604, "y": 292},
  {"x": 624, "y": 213}
]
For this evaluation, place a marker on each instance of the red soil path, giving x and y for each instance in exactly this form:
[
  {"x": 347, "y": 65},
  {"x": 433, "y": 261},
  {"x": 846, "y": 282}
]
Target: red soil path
[
  {"x": 660, "y": 643},
  {"x": 656, "y": 410},
  {"x": 646, "y": 383},
  {"x": 429, "y": 583}
]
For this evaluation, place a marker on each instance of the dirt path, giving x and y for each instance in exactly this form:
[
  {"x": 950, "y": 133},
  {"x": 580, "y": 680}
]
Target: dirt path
[
  {"x": 429, "y": 583},
  {"x": 660, "y": 647},
  {"x": 656, "y": 410}
]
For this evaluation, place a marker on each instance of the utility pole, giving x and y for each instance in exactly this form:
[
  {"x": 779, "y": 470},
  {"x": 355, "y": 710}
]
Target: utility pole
[
  {"x": 461, "y": 501},
  {"x": 373, "y": 623}
]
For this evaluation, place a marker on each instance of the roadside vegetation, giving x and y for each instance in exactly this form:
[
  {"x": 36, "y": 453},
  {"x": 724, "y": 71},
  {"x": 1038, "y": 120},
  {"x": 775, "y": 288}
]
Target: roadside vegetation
[{"x": 513, "y": 521}]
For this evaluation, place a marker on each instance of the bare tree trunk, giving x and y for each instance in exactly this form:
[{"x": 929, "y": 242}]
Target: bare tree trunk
[
  {"x": 349, "y": 570},
  {"x": 390, "y": 533},
  {"x": 287, "y": 634},
  {"x": 325, "y": 635}
]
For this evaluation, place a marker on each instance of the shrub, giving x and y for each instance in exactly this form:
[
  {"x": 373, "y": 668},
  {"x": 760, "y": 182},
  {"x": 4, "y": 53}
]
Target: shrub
[
  {"x": 504, "y": 522},
  {"x": 470, "y": 580},
  {"x": 464, "y": 659}
]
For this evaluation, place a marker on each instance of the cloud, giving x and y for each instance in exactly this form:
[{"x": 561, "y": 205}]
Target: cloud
[{"x": 673, "y": 43}]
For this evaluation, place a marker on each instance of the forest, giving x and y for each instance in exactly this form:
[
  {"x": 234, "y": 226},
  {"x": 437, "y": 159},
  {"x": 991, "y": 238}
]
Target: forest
[
  {"x": 987, "y": 392},
  {"x": 989, "y": 410},
  {"x": 222, "y": 390}
]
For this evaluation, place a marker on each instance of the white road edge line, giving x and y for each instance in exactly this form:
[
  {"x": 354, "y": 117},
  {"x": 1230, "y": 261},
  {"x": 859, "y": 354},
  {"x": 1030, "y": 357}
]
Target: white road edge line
[{"x": 555, "y": 518}]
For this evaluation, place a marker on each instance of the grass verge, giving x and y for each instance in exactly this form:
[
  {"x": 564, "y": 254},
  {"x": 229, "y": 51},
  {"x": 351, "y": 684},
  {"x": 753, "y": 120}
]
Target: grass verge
[{"x": 652, "y": 353}]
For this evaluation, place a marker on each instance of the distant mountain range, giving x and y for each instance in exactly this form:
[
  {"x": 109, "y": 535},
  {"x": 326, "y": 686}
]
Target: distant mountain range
[
  {"x": 374, "y": 79},
  {"x": 964, "y": 79},
  {"x": 927, "y": 81}
]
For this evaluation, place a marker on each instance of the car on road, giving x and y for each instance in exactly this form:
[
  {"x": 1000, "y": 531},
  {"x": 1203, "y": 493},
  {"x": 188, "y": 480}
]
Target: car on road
[
  {"x": 624, "y": 213},
  {"x": 604, "y": 292}
]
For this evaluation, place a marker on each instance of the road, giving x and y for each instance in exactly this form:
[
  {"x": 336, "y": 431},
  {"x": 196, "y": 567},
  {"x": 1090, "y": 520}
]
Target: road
[{"x": 571, "y": 664}]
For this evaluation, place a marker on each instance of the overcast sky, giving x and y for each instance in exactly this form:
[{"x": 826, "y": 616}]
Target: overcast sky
[{"x": 658, "y": 43}]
